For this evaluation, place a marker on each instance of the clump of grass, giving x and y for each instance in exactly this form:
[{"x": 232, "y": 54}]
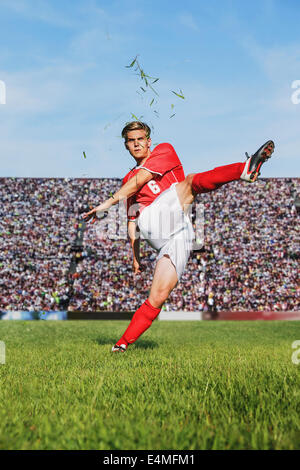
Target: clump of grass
[{"x": 147, "y": 85}]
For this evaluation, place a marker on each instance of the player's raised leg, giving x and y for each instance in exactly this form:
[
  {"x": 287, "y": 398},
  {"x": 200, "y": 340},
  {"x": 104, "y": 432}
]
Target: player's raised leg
[
  {"x": 207, "y": 181},
  {"x": 254, "y": 163},
  {"x": 164, "y": 280}
]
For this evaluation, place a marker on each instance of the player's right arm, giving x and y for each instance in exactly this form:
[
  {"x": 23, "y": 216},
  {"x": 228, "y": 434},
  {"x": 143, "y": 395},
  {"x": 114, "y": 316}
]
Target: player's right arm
[
  {"x": 142, "y": 177},
  {"x": 134, "y": 237}
]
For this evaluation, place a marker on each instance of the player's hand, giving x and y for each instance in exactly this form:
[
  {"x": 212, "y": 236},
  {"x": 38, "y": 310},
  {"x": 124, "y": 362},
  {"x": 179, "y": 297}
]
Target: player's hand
[
  {"x": 91, "y": 215},
  {"x": 94, "y": 214},
  {"x": 136, "y": 266}
]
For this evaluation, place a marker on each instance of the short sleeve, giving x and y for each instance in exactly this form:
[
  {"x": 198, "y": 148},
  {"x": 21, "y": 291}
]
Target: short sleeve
[{"x": 163, "y": 158}]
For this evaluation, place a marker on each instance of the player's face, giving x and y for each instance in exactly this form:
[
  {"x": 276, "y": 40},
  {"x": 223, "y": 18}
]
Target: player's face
[{"x": 138, "y": 144}]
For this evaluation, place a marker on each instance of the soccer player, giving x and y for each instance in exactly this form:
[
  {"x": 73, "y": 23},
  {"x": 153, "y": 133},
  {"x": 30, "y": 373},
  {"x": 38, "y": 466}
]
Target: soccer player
[{"x": 158, "y": 195}]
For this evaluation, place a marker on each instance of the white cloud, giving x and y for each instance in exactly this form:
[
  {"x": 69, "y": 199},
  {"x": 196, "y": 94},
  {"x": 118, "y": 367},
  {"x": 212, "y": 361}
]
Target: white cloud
[
  {"x": 54, "y": 157},
  {"x": 39, "y": 10},
  {"x": 38, "y": 90},
  {"x": 187, "y": 20},
  {"x": 277, "y": 62}
]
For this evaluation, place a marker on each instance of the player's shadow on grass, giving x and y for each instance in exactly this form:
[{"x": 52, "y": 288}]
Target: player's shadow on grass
[
  {"x": 140, "y": 344},
  {"x": 103, "y": 340},
  {"x": 145, "y": 344}
]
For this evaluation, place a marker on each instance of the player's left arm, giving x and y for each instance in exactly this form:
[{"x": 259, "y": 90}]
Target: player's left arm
[
  {"x": 134, "y": 237},
  {"x": 128, "y": 189}
]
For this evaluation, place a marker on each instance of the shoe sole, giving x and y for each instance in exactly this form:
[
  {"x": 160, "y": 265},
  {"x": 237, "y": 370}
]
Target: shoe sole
[
  {"x": 265, "y": 154},
  {"x": 121, "y": 350}
]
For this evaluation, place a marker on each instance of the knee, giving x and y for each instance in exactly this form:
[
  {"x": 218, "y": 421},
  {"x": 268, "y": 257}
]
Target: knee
[
  {"x": 158, "y": 298},
  {"x": 189, "y": 178},
  {"x": 189, "y": 184}
]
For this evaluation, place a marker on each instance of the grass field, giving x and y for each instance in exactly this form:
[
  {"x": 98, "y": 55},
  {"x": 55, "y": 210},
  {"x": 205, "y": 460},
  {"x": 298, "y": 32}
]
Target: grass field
[{"x": 184, "y": 385}]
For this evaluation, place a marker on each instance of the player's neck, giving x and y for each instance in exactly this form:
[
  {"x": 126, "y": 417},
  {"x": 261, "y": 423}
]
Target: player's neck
[{"x": 141, "y": 161}]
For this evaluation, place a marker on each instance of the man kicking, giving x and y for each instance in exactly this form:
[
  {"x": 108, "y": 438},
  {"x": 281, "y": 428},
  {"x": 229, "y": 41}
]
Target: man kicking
[{"x": 158, "y": 195}]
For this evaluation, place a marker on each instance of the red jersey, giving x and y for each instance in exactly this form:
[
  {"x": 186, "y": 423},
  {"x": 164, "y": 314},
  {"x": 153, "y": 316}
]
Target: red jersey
[{"x": 164, "y": 163}]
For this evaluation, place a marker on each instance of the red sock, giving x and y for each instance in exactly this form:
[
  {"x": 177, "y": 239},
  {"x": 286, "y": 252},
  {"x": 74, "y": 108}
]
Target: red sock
[
  {"x": 214, "y": 179},
  {"x": 140, "y": 322}
]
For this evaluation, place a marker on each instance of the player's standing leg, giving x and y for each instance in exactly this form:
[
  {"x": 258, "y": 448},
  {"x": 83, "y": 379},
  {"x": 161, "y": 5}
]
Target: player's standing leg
[{"x": 164, "y": 280}]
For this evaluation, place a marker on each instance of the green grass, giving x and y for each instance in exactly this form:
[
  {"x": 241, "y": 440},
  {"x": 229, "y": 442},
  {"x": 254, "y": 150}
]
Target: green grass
[{"x": 183, "y": 385}]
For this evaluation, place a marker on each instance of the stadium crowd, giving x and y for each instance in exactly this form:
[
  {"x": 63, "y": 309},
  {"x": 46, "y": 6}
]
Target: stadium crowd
[
  {"x": 37, "y": 227},
  {"x": 249, "y": 260}
]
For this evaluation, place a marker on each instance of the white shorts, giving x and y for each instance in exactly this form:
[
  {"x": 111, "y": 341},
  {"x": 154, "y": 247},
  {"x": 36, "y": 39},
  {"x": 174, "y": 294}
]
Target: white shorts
[{"x": 168, "y": 229}]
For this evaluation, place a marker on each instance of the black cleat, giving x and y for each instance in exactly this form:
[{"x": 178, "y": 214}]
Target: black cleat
[
  {"x": 253, "y": 163},
  {"x": 121, "y": 348}
]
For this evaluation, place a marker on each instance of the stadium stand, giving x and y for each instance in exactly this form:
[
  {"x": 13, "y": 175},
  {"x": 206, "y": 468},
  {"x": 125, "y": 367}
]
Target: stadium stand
[{"x": 50, "y": 260}]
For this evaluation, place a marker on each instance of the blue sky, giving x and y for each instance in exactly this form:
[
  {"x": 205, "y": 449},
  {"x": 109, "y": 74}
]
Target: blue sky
[{"x": 68, "y": 90}]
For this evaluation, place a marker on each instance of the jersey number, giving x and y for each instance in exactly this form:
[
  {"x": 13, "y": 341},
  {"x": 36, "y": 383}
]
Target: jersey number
[{"x": 154, "y": 187}]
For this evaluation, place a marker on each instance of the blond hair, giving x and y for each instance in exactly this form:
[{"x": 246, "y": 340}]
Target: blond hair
[{"x": 135, "y": 126}]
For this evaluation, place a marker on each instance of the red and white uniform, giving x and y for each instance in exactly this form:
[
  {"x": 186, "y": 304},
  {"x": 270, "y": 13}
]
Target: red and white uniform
[
  {"x": 167, "y": 168},
  {"x": 161, "y": 220}
]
